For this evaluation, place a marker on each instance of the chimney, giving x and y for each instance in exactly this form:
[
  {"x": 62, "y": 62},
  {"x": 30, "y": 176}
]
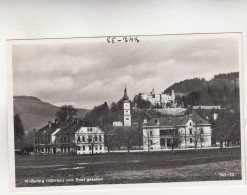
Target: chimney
[{"x": 49, "y": 123}]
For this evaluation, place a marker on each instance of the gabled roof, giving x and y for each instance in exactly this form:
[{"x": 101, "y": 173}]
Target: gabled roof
[
  {"x": 196, "y": 119},
  {"x": 165, "y": 121},
  {"x": 74, "y": 126},
  {"x": 47, "y": 131},
  {"x": 173, "y": 121}
]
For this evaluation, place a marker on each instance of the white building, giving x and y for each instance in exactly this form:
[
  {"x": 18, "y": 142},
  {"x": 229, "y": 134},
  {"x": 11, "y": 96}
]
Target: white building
[
  {"x": 89, "y": 140},
  {"x": 77, "y": 137},
  {"x": 184, "y": 132},
  {"x": 160, "y": 99}
]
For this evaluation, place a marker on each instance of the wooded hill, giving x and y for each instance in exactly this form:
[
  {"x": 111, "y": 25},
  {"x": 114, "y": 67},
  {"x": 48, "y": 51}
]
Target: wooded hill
[
  {"x": 222, "y": 90},
  {"x": 34, "y": 113}
]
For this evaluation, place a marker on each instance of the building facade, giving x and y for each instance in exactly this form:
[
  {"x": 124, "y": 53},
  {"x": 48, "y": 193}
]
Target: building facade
[
  {"x": 158, "y": 99},
  {"x": 76, "y": 137},
  {"x": 176, "y": 132}
]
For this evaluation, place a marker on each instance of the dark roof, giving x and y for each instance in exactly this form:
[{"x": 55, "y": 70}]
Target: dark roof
[
  {"x": 195, "y": 118},
  {"x": 166, "y": 121},
  {"x": 173, "y": 121},
  {"x": 72, "y": 127},
  {"x": 46, "y": 130}
]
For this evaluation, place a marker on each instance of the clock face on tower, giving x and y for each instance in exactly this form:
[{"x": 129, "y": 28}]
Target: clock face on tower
[{"x": 126, "y": 105}]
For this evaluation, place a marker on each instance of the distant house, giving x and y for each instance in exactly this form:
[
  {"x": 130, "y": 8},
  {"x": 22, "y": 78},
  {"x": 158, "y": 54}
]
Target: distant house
[
  {"x": 77, "y": 137},
  {"x": 182, "y": 132}
]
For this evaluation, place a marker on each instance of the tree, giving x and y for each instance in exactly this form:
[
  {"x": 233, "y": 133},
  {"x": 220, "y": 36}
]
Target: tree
[
  {"x": 196, "y": 136},
  {"x": 179, "y": 100},
  {"x": 130, "y": 134},
  {"x": 142, "y": 104},
  {"x": 176, "y": 139},
  {"x": 110, "y": 134},
  {"x": 66, "y": 113},
  {"x": 18, "y": 132},
  {"x": 222, "y": 127},
  {"x": 194, "y": 98}
]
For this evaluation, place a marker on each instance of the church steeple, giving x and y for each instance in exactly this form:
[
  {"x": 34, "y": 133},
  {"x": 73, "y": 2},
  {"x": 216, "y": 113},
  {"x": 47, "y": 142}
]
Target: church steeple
[
  {"x": 125, "y": 97},
  {"x": 126, "y": 107}
]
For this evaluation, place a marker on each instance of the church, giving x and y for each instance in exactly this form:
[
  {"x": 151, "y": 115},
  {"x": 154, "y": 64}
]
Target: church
[{"x": 126, "y": 122}]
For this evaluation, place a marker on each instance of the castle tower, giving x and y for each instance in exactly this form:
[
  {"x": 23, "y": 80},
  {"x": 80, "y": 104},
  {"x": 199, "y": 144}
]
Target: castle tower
[
  {"x": 126, "y": 107},
  {"x": 173, "y": 96}
]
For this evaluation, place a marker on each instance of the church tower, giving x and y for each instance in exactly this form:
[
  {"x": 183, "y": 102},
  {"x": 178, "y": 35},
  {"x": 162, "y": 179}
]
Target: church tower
[{"x": 126, "y": 107}]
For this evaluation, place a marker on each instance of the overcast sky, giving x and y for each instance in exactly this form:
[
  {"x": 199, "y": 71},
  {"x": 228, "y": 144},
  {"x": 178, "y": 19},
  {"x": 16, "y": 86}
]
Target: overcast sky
[{"x": 88, "y": 74}]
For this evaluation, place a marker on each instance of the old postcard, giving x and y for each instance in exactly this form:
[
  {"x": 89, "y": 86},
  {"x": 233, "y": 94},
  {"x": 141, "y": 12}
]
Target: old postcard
[{"x": 161, "y": 110}]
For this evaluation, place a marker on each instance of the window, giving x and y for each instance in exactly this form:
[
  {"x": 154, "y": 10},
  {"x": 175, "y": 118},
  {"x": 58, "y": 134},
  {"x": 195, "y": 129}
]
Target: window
[
  {"x": 190, "y": 123},
  {"x": 42, "y": 149},
  {"x": 61, "y": 139},
  {"x": 35, "y": 141},
  {"x": 38, "y": 140},
  {"x": 89, "y": 138},
  {"x": 83, "y": 148},
  {"x": 151, "y": 142},
  {"x": 68, "y": 139},
  {"x": 190, "y": 140},
  {"x": 201, "y": 130},
  {"x": 95, "y": 138},
  {"x": 78, "y": 148},
  {"x": 64, "y": 139},
  {"x": 96, "y": 147},
  {"x": 202, "y": 140},
  {"x": 78, "y": 138},
  {"x": 90, "y": 147},
  {"x": 83, "y": 138},
  {"x": 190, "y": 130},
  {"x": 42, "y": 141},
  {"x": 100, "y": 147},
  {"x": 151, "y": 133},
  {"x": 100, "y": 138},
  {"x": 127, "y": 119}
]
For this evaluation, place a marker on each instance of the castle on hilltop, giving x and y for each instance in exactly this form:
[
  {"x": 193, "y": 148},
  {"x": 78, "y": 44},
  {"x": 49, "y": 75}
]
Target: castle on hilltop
[{"x": 158, "y": 99}]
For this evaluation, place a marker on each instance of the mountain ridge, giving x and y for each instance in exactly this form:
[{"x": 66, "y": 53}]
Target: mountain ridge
[{"x": 36, "y": 113}]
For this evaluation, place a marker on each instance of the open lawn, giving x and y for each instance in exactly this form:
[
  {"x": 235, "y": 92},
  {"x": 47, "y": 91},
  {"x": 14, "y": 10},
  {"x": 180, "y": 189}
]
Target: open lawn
[{"x": 115, "y": 168}]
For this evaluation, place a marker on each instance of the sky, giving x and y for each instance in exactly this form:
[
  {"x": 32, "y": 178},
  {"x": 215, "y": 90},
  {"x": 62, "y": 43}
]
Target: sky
[{"x": 86, "y": 74}]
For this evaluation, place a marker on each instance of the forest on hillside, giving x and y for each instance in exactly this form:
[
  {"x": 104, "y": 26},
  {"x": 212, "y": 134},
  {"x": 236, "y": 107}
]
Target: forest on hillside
[{"x": 222, "y": 90}]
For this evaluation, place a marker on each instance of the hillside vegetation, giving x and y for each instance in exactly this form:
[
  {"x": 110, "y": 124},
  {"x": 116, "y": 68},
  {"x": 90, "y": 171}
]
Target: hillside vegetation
[
  {"x": 34, "y": 113},
  {"x": 222, "y": 90}
]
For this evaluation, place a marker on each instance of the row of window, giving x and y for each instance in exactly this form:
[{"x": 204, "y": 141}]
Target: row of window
[
  {"x": 83, "y": 148},
  {"x": 170, "y": 132},
  {"x": 89, "y": 138},
  {"x": 41, "y": 141},
  {"x": 191, "y": 141},
  {"x": 65, "y": 139}
]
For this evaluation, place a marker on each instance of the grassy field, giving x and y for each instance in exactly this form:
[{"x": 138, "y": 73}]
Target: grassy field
[{"x": 203, "y": 165}]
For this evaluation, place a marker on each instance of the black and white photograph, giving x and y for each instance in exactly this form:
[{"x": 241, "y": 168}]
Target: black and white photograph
[{"x": 126, "y": 110}]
